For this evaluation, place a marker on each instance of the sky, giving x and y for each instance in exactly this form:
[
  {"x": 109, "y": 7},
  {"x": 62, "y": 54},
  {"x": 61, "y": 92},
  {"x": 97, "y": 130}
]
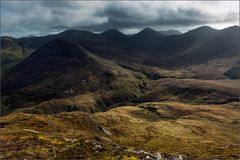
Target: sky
[{"x": 24, "y": 18}]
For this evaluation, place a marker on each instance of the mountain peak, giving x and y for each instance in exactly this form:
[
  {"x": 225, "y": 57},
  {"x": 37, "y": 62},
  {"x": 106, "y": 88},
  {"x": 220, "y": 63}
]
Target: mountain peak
[
  {"x": 113, "y": 34},
  {"x": 74, "y": 32},
  {"x": 59, "y": 56},
  {"x": 203, "y": 29},
  {"x": 112, "y": 31},
  {"x": 148, "y": 33},
  {"x": 148, "y": 30},
  {"x": 59, "y": 48}
]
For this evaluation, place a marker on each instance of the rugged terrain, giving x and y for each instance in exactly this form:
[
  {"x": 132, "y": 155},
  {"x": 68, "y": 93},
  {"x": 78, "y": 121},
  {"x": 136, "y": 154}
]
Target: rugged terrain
[
  {"x": 151, "y": 130},
  {"x": 150, "y": 95}
]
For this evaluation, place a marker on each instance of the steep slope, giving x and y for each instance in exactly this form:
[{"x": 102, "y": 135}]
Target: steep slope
[
  {"x": 11, "y": 52},
  {"x": 145, "y": 41},
  {"x": 217, "y": 44},
  {"x": 62, "y": 69},
  {"x": 197, "y": 46},
  {"x": 58, "y": 55},
  {"x": 192, "y": 91},
  {"x": 114, "y": 35}
]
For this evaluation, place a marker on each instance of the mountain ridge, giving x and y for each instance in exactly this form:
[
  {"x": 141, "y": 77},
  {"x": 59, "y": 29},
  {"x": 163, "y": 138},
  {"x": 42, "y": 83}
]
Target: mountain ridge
[{"x": 62, "y": 69}]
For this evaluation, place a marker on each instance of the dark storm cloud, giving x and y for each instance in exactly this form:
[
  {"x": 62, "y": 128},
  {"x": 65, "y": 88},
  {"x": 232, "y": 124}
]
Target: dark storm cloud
[
  {"x": 121, "y": 18},
  {"x": 45, "y": 17}
]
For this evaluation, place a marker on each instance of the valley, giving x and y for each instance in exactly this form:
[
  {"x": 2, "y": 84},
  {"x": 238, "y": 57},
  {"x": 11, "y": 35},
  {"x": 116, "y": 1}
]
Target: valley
[{"x": 84, "y": 95}]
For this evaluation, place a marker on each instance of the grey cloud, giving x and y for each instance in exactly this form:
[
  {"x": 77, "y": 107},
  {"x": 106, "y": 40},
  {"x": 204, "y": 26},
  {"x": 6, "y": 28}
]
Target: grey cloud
[
  {"x": 44, "y": 17},
  {"x": 120, "y": 19},
  {"x": 124, "y": 17}
]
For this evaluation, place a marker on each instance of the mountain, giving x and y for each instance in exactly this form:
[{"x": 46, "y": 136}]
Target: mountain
[
  {"x": 113, "y": 34},
  {"x": 83, "y": 95},
  {"x": 170, "y": 32},
  {"x": 60, "y": 69},
  {"x": 55, "y": 54},
  {"x": 197, "y": 46},
  {"x": 193, "y": 49},
  {"x": 147, "y": 33},
  {"x": 12, "y": 52},
  {"x": 210, "y": 44},
  {"x": 50, "y": 71},
  {"x": 100, "y": 43},
  {"x": 145, "y": 41}
]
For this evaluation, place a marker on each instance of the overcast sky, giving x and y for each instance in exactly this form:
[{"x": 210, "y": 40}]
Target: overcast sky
[{"x": 23, "y": 18}]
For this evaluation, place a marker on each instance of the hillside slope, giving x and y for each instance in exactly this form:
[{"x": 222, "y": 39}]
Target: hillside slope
[
  {"x": 11, "y": 53},
  {"x": 192, "y": 91},
  {"x": 62, "y": 69},
  {"x": 168, "y": 130}
]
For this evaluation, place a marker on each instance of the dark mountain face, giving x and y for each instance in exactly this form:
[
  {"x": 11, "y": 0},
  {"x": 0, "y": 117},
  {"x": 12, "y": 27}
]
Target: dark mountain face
[
  {"x": 109, "y": 42},
  {"x": 201, "y": 30},
  {"x": 197, "y": 47},
  {"x": 145, "y": 41},
  {"x": 59, "y": 48},
  {"x": 170, "y": 32},
  {"x": 194, "y": 47},
  {"x": 210, "y": 44},
  {"x": 58, "y": 56},
  {"x": 180, "y": 43},
  {"x": 113, "y": 34},
  {"x": 147, "y": 36},
  {"x": 52, "y": 70},
  {"x": 148, "y": 33},
  {"x": 62, "y": 69},
  {"x": 84, "y": 38}
]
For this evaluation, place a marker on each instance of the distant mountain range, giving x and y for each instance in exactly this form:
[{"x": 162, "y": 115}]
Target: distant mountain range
[
  {"x": 194, "y": 47},
  {"x": 81, "y": 62}
]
